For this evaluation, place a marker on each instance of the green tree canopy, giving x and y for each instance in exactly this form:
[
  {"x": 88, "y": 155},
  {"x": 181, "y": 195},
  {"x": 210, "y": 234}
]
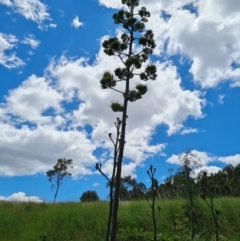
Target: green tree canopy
[{"x": 89, "y": 196}]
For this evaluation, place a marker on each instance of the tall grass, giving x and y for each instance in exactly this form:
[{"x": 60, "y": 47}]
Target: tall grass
[{"x": 87, "y": 221}]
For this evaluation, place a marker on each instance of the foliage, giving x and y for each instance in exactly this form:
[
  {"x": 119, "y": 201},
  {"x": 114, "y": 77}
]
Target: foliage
[
  {"x": 154, "y": 184},
  {"x": 208, "y": 191},
  {"x": 43, "y": 237},
  {"x": 130, "y": 189},
  {"x": 181, "y": 226},
  {"x": 138, "y": 234},
  {"x": 111, "y": 182},
  {"x": 226, "y": 184},
  {"x": 235, "y": 181},
  {"x": 85, "y": 221},
  {"x": 58, "y": 173},
  {"x": 89, "y": 196},
  {"x": 190, "y": 162}
]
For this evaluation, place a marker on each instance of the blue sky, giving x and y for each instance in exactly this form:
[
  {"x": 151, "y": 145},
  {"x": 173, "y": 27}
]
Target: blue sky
[{"x": 52, "y": 105}]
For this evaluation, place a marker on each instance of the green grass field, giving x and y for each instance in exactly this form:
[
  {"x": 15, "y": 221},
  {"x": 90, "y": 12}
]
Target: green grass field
[{"x": 87, "y": 221}]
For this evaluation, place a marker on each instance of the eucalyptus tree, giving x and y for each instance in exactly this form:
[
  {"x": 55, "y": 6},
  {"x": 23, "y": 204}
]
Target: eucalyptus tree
[
  {"x": 132, "y": 48},
  {"x": 58, "y": 173}
]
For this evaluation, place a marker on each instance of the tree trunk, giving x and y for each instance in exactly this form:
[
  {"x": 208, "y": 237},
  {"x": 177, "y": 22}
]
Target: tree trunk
[
  {"x": 121, "y": 150},
  {"x": 119, "y": 169}
]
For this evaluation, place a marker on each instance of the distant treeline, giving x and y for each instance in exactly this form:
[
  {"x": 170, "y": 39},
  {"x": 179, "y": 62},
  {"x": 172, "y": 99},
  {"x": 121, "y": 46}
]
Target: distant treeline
[{"x": 224, "y": 183}]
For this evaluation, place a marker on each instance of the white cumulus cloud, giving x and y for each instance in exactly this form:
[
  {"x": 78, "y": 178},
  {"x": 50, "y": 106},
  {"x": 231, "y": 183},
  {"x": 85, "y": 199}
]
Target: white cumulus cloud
[
  {"x": 21, "y": 197},
  {"x": 28, "y": 103},
  {"x": 209, "y": 169},
  {"x": 26, "y": 151},
  {"x": 33, "y": 10},
  {"x": 233, "y": 160},
  {"x": 204, "y": 158}
]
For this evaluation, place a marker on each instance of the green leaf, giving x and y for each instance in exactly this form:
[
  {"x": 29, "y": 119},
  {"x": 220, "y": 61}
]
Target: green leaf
[
  {"x": 110, "y": 45},
  {"x": 142, "y": 41},
  {"x": 119, "y": 17},
  {"x": 121, "y": 73},
  {"x": 127, "y": 14},
  {"x": 125, "y": 38},
  {"x": 142, "y": 89},
  {"x": 131, "y": 3},
  {"x": 116, "y": 107},
  {"x": 129, "y": 62},
  {"x": 115, "y": 45},
  {"x": 149, "y": 34},
  {"x": 123, "y": 47},
  {"x": 138, "y": 93},
  {"x": 151, "y": 71},
  {"x": 109, "y": 52},
  {"x": 144, "y": 13},
  {"x": 107, "y": 81},
  {"x": 144, "y": 57},
  {"x": 139, "y": 27},
  {"x": 135, "y": 61},
  {"x": 143, "y": 76},
  {"x": 134, "y": 95}
]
